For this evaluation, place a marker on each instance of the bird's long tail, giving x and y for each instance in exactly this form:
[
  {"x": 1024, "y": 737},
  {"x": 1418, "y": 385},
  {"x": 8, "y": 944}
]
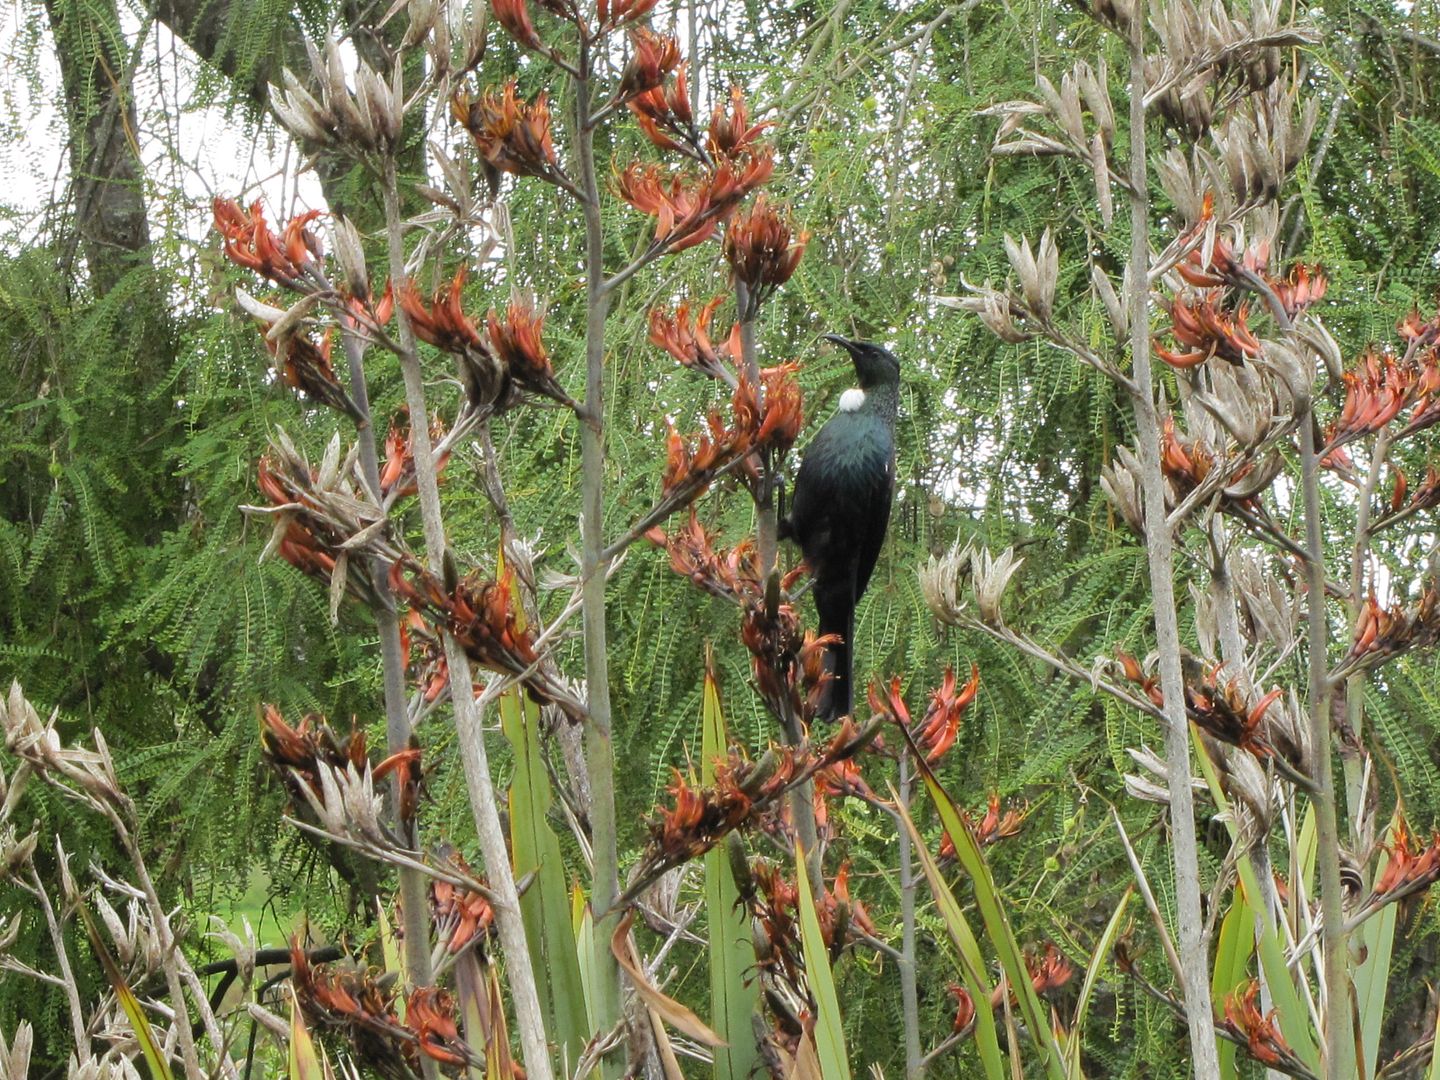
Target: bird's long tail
[{"x": 835, "y": 604}]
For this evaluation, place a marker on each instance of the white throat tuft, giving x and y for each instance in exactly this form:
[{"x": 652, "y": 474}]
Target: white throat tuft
[{"x": 852, "y": 399}]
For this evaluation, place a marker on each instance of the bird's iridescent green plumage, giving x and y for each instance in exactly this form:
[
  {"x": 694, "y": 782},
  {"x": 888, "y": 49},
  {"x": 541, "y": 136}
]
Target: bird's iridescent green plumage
[{"x": 840, "y": 508}]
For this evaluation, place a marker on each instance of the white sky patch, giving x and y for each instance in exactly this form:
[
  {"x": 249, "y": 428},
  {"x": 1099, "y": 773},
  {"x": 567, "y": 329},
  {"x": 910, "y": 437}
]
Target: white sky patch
[{"x": 191, "y": 152}]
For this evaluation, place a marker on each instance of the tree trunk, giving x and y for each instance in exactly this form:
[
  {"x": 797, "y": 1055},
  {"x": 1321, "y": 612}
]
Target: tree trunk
[{"x": 111, "y": 229}]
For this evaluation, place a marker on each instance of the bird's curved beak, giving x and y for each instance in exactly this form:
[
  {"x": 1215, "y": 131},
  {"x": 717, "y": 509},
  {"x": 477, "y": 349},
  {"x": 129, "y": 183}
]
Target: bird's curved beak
[{"x": 836, "y": 339}]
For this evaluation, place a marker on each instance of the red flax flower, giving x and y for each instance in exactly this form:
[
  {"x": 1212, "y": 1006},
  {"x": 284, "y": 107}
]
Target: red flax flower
[
  {"x": 430, "y": 1014},
  {"x": 306, "y": 367},
  {"x": 680, "y": 204},
  {"x": 443, "y": 322},
  {"x": 1425, "y": 497},
  {"x": 615, "y": 13},
  {"x": 699, "y": 818},
  {"x": 993, "y": 827},
  {"x": 299, "y": 546},
  {"x": 514, "y": 17},
  {"x": 690, "y": 466},
  {"x": 762, "y": 249},
  {"x": 665, "y": 108},
  {"x": 1221, "y": 711},
  {"x": 342, "y": 997},
  {"x": 652, "y": 59},
  {"x": 941, "y": 724},
  {"x": 1409, "y": 871},
  {"x": 1376, "y": 389},
  {"x": 843, "y": 779},
  {"x": 702, "y": 817},
  {"x": 1262, "y": 1038},
  {"x": 518, "y": 343},
  {"x": 1049, "y": 970},
  {"x": 788, "y": 663},
  {"x": 462, "y": 916},
  {"x": 964, "y": 1007},
  {"x": 511, "y": 135},
  {"x": 688, "y": 208},
  {"x": 296, "y": 753},
  {"x": 688, "y": 341},
  {"x": 1185, "y": 464},
  {"x": 398, "y": 473},
  {"x": 1412, "y": 328},
  {"x": 1207, "y": 331},
  {"x": 478, "y": 614},
  {"x": 249, "y": 242},
  {"x": 1134, "y": 673},
  {"x": 1381, "y": 633},
  {"x": 731, "y": 133},
  {"x": 1303, "y": 286},
  {"x": 1427, "y": 393},
  {"x": 784, "y": 409}
]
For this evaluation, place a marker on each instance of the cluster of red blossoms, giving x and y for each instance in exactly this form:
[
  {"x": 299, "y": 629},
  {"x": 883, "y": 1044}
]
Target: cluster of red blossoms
[
  {"x": 309, "y": 538},
  {"x": 249, "y": 242},
  {"x": 297, "y": 754},
  {"x": 688, "y": 340},
  {"x": 1203, "y": 324},
  {"x": 1208, "y": 331},
  {"x": 1381, "y": 633},
  {"x": 1220, "y": 709},
  {"x": 1409, "y": 870},
  {"x": 1048, "y": 970},
  {"x": 514, "y": 17},
  {"x": 774, "y": 904},
  {"x": 703, "y": 816},
  {"x": 352, "y": 1000},
  {"x": 995, "y": 825},
  {"x": 287, "y": 259},
  {"x": 509, "y": 356},
  {"x": 787, "y": 660},
  {"x": 688, "y": 207},
  {"x": 1255, "y": 1030},
  {"x": 512, "y": 136},
  {"x": 1425, "y": 497},
  {"x": 397, "y": 475},
  {"x": 936, "y": 732},
  {"x": 753, "y": 429},
  {"x": 462, "y": 916},
  {"x": 480, "y": 615}
]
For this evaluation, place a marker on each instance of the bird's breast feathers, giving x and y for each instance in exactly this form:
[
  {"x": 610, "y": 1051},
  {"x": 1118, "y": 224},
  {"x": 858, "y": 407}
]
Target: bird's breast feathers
[{"x": 852, "y": 399}]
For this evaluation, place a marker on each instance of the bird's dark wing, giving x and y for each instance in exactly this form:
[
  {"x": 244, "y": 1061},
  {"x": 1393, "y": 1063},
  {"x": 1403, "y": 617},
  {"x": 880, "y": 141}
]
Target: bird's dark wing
[
  {"x": 841, "y": 502},
  {"x": 872, "y": 537}
]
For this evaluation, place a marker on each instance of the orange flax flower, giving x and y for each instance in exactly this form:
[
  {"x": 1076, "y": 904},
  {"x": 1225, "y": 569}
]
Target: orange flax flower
[
  {"x": 653, "y": 58},
  {"x": 443, "y": 322},
  {"x": 511, "y": 135},
  {"x": 762, "y": 249}
]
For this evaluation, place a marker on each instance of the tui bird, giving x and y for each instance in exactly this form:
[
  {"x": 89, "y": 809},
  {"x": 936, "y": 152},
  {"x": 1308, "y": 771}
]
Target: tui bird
[{"x": 841, "y": 503}]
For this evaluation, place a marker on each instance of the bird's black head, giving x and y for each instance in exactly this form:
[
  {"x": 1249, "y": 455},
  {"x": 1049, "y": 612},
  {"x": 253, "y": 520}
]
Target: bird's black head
[{"x": 874, "y": 364}]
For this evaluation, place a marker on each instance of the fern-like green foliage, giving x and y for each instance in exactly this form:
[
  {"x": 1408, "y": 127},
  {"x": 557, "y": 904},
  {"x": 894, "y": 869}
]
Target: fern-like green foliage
[{"x": 131, "y": 597}]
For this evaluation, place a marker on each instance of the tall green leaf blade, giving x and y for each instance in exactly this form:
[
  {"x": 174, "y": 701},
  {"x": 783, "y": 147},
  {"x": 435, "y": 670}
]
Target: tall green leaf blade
[
  {"x": 155, "y": 1059},
  {"x": 733, "y": 1003},
  {"x": 304, "y": 1060},
  {"x": 972, "y": 963},
  {"x": 1233, "y": 949},
  {"x": 1290, "y": 1012},
  {"x": 1433, "y": 1073},
  {"x": 1372, "y": 977},
  {"x": 1103, "y": 949},
  {"x": 997, "y": 923},
  {"x": 829, "y": 1025},
  {"x": 545, "y": 906}
]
